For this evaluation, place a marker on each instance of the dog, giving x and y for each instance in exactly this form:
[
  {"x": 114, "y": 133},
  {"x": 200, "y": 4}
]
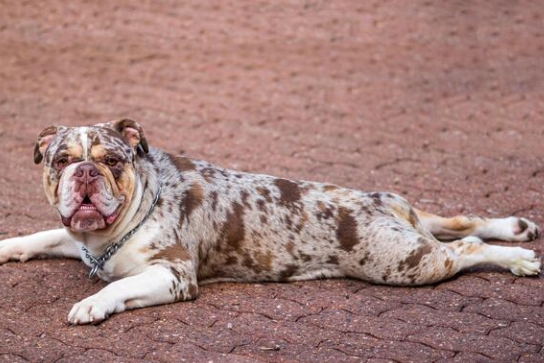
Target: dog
[{"x": 158, "y": 225}]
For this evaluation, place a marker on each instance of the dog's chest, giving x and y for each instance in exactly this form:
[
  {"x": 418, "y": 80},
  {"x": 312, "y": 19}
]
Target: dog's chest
[{"x": 131, "y": 259}]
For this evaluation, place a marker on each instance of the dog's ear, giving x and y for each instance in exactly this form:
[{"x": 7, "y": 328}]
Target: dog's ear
[
  {"x": 133, "y": 133},
  {"x": 44, "y": 139}
]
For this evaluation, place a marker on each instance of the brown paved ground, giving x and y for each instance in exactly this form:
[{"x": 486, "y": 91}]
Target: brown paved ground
[{"x": 442, "y": 102}]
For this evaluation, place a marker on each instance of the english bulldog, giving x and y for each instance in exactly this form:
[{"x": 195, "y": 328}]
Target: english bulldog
[{"x": 158, "y": 225}]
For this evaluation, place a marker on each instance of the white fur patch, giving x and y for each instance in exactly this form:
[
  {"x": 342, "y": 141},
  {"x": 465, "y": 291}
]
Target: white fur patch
[{"x": 84, "y": 136}]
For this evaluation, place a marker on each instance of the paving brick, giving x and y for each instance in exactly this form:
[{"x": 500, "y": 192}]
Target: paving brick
[
  {"x": 522, "y": 332},
  {"x": 462, "y": 322},
  {"x": 509, "y": 311},
  {"x": 497, "y": 348},
  {"x": 496, "y": 286},
  {"x": 463, "y": 357},
  {"x": 532, "y": 358}
]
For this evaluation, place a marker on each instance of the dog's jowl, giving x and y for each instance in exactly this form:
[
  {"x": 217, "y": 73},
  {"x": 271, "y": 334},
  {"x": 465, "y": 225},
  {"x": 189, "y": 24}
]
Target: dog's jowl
[{"x": 158, "y": 225}]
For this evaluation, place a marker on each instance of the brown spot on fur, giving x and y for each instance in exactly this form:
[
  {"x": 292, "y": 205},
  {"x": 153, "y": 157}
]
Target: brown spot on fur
[
  {"x": 365, "y": 259},
  {"x": 377, "y": 199},
  {"x": 406, "y": 213},
  {"x": 47, "y": 179},
  {"x": 214, "y": 197},
  {"x": 302, "y": 221},
  {"x": 325, "y": 211},
  {"x": 305, "y": 257},
  {"x": 289, "y": 191},
  {"x": 459, "y": 223},
  {"x": 176, "y": 273},
  {"x": 172, "y": 253},
  {"x": 174, "y": 291},
  {"x": 192, "y": 199},
  {"x": 386, "y": 274},
  {"x": 95, "y": 138},
  {"x": 522, "y": 225},
  {"x": 264, "y": 220},
  {"x": 202, "y": 253},
  {"x": 288, "y": 222},
  {"x": 233, "y": 229},
  {"x": 321, "y": 206},
  {"x": 448, "y": 265},
  {"x": 471, "y": 248},
  {"x": 290, "y": 247},
  {"x": 414, "y": 258},
  {"x": 333, "y": 260},
  {"x": 346, "y": 232},
  {"x": 160, "y": 203},
  {"x": 264, "y": 260},
  {"x": 329, "y": 187},
  {"x": 261, "y": 205},
  {"x": 231, "y": 260},
  {"x": 245, "y": 195},
  {"x": 289, "y": 271},
  {"x": 182, "y": 163},
  {"x": 193, "y": 291},
  {"x": 265, "y": 193},
  {"x": 412, "y": 218},
  {"x": 98, "y": 151},
  {"x": 250, "y": 264},
  {"x": 208, "y": 173}
]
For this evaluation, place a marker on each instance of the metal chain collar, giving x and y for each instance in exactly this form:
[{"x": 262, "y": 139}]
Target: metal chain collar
[{"x": 98, "y": 262}]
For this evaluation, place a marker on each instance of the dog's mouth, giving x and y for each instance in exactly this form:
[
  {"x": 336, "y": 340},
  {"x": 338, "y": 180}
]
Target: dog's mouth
[{"x": 87, "y": 217}]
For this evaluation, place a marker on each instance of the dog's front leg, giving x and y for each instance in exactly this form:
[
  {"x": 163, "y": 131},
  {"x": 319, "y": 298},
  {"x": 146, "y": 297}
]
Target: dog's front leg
[
  {"x": 56, "y": 242},
  {"x": 157, "y": 284}
]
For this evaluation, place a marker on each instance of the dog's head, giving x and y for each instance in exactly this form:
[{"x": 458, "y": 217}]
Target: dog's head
[{"x": 89, "y": 172}]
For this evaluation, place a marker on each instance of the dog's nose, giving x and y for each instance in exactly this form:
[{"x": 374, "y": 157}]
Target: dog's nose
[{"x": 86, "y": 172}]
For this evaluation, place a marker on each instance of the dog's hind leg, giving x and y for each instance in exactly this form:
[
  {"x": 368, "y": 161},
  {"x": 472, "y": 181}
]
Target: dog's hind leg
[
  {"x": 472, "y": 251},
  {"x": 506, "y": 229},
  {"x": 445, "y": 260},
  {"x": 413, "y": 259}
]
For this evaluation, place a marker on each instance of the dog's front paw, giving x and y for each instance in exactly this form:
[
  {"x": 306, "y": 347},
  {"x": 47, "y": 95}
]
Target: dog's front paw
[
  {"x": 524, "y": 262},
  {"x": 92, "y": 310},
  {"x": 13, "y": 249}
]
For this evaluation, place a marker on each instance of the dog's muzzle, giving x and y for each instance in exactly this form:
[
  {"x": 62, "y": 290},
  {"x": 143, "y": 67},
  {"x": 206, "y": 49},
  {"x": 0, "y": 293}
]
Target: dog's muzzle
[{"x": 91, "y": 206}]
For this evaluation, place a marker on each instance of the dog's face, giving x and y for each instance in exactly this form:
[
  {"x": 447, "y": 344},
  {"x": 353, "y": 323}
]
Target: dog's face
[{"x": 89, "y": 172}]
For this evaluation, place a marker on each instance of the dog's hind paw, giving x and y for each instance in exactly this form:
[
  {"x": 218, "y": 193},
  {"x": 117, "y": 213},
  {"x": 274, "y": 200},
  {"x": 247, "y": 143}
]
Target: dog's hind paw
[
  {"x": 510, "y": 229},
  {"x": 525, "y": 230},
  {"x": 526, "y": 263}
]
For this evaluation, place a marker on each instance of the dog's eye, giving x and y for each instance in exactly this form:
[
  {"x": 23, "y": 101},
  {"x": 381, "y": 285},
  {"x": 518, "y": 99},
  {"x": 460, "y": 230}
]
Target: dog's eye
[
  {"x": 111, "y": 160},
  {"x": 62, "y": 161}
]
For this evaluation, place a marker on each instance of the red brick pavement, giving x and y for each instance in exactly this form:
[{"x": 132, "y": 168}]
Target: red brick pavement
[{"x": 442, "y": 102}]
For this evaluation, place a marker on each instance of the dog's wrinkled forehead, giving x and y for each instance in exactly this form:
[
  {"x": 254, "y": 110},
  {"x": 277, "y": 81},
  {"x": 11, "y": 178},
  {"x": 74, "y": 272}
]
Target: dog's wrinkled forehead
[{"x": 87, "y": 142}]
